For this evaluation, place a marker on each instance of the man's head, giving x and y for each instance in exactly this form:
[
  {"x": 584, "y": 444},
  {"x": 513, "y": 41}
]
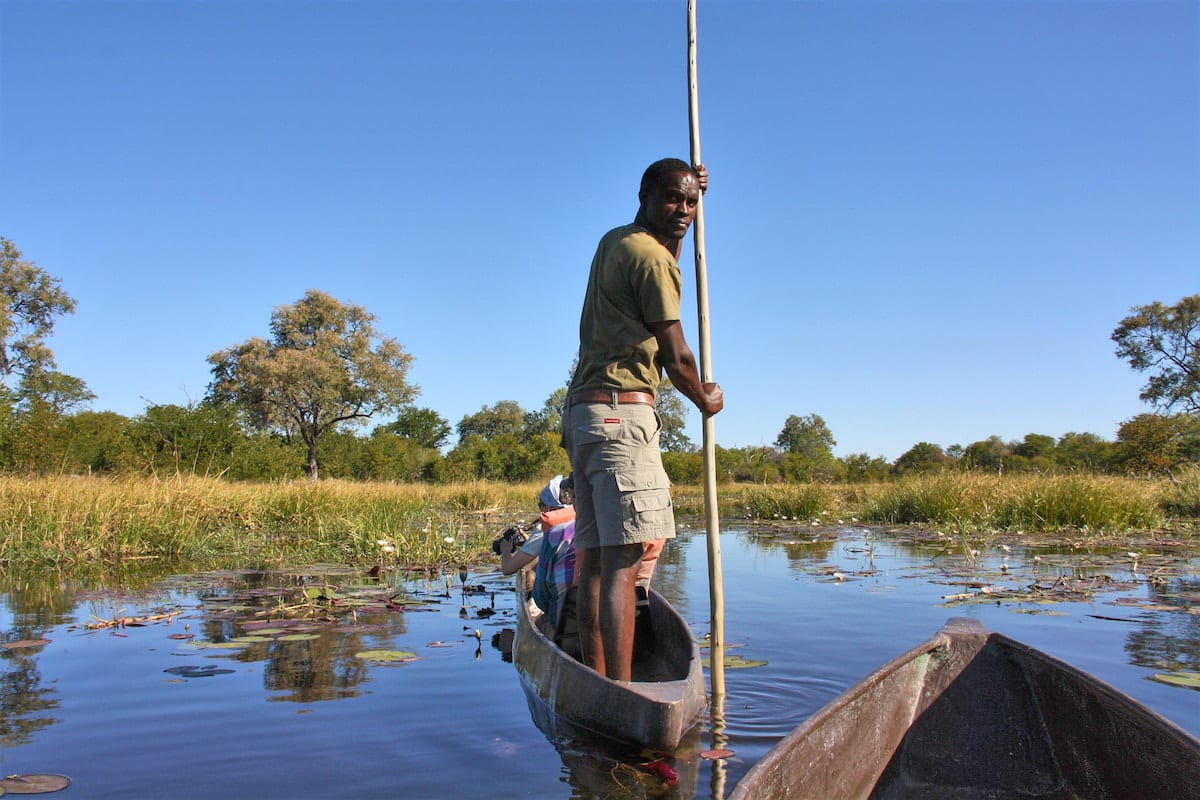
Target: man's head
[{"x": 668, "y": 196}]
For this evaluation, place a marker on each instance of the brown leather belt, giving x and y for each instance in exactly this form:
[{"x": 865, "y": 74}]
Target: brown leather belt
[{"x": 612, "y": 398}]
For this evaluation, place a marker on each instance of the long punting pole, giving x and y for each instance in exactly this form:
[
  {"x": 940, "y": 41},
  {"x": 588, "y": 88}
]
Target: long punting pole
[{"x": 716, "y": 590}]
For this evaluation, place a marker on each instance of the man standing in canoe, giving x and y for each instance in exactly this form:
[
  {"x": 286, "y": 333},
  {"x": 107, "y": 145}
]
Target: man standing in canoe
[{"x": 629, "y": 334}]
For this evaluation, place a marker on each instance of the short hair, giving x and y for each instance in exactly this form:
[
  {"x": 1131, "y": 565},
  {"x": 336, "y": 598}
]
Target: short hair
[{"x": 656, "y": 173}]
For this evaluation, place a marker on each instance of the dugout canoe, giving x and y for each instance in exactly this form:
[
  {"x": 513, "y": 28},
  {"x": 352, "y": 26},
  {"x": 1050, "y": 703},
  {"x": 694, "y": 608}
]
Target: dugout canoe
[
  {"x": 972, "y": 714},
  {"x": 662, "y": 703}
]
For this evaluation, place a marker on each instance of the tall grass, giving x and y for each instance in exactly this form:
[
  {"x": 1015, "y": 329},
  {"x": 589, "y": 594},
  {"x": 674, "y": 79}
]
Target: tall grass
[
  {"x": 76, "y": 520},
  {"x": 72, "y": 522},
  {"x": 1022, "y": 502}
]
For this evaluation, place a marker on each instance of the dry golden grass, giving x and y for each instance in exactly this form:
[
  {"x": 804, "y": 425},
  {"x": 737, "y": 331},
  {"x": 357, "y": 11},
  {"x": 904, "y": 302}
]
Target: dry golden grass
[
  {"x": 73, "y": 521},
  {"x": 68, "y": 520}
]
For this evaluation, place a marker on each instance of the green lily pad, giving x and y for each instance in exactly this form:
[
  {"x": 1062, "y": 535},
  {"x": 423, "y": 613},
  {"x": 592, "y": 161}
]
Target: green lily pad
[
  {"x": 735, "y": 662},
  {"x": 386, "y": 655},
  {"x": 1188, "y": 680},
  {"x": 251, "y": 639},
  {"x": 218, "y": 645},
  {"x": 297, "y": 637}
]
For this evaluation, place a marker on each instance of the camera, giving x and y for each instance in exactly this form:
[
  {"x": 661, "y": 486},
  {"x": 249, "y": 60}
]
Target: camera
[{"x": 514, "y": 535}]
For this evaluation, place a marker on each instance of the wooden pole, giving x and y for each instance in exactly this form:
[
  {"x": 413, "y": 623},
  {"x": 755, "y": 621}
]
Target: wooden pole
[{"x": 716, "y": 590}]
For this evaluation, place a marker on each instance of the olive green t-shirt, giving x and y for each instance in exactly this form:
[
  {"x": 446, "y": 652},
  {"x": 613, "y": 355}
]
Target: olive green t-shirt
[{"x": 634, "y": 281}]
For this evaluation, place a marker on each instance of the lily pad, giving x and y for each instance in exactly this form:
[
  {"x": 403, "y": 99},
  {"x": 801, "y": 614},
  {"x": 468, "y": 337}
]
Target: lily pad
[
  {"x": 735, "y": 662},
  {"x": 1188, "y": 680},
  {"x": 24, "y": 643},
  {"x": 386, "y": 655},
  {"x": 218, "y": 645},
  {"x": 297, "y": 637},
  {"x": 194, "y": 671},
  {"x": 720, "y": 752},
  {"x": 34, "y": 784}
]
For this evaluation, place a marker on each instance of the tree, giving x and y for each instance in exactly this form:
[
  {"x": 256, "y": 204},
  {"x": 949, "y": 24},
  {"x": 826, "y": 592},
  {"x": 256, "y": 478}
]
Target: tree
[
  {"x": 1083, "y": 451},
  {"x": 861, "y": 468},
  {"x": 324, "y": 366},
  {"x": 672, "y": 413},
  {"x": 549, "y": 419},
  {"x": 505, "y": 418},
  {"x": 1155, "y": 443},
  {"x": 192, "y": 439},
  {"x": 424, "y": 426},
  {"x": 1165, "y": 341},
  {"x": 806, "y": 436},
  {"x": 988, "y": 454},
  {"x": 923, "y": 458},
  {"x": 32, "y": 300}
]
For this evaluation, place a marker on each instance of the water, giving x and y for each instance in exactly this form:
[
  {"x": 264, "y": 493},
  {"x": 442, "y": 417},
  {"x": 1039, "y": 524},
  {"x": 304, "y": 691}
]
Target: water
[{"x": 304, "y": 716}]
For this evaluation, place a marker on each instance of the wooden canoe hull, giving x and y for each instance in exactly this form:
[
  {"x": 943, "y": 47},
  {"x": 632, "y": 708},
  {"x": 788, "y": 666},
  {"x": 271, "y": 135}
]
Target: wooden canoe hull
[
  {"x": 665, "y": 699},
  {"x": 974, "y": 715}
]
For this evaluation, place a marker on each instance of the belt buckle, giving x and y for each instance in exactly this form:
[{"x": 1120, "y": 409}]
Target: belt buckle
[{"x": 615, "y": 401}]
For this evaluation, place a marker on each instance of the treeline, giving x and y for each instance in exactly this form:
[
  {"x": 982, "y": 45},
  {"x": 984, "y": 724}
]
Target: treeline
[
  {"x": 506, "y": 443},
  {"x": 298, "y": 403}
]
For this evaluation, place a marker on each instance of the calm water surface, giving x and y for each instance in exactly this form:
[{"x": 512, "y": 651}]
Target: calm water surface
[{"x": 145, "y": 711}]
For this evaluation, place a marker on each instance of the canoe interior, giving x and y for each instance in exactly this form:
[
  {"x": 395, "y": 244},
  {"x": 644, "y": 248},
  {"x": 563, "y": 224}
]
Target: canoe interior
[
  {"x": 655, "y": 710},
  {"x": 984, "y": 717}
]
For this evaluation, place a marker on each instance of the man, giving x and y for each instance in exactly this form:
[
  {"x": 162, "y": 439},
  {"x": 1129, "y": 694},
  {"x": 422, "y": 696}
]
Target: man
[{"x": 629, "y": 334}]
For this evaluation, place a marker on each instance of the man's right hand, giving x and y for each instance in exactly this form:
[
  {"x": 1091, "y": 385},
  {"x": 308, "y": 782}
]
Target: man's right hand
[{"x": 714, "y": 398}]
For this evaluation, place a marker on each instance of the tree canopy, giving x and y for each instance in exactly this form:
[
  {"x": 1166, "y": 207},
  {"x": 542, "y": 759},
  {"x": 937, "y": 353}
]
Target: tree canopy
[
  {"x": 1164, "y": 341},
  {"x": 32, "y": 300},
  {"x": 325, "y": 365}
]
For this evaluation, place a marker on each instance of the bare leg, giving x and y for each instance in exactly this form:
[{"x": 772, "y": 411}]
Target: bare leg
[
  {"x": 587, "y": 608},
  {"x": 618, "y": 607}
]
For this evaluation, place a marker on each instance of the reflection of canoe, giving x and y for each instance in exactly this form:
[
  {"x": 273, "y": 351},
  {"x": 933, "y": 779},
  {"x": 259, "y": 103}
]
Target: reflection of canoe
[
  {"x": 654, "y": 710},
  {"x": 599, "y": 772},
  {"x": 973, "y": 715}
]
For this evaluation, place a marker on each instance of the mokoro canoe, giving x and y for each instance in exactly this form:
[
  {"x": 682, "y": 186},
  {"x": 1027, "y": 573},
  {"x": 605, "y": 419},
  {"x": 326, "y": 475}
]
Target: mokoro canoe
[
  {"x": 975, "y": 715},
  {"x": 663, "y": 701}
]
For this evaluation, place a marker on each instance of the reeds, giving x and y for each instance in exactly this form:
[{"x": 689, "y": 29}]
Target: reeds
[
  {"x": 78, "y": 520},
  {"x": 71, "y": 522},
  {"x": 966, "y": 501},
  {"x": 986, "y": 503}
]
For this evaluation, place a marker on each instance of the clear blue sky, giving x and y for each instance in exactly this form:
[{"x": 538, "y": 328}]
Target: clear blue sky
[{"x": 924, "y": 222}]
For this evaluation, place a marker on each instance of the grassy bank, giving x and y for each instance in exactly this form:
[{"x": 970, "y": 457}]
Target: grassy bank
[
  {"x": 1097, "y": 504},
  {"x": 74, "y": 521},
  {"x": 78, "y": 520}
]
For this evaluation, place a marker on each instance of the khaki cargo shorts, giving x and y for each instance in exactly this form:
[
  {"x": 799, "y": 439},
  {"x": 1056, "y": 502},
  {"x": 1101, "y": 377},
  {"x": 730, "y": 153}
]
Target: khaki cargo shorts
[{"x": 622, "y": 493}]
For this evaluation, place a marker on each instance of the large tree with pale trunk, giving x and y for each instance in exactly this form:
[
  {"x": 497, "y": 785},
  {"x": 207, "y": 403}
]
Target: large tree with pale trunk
[
  {"x": 1164, "y": 342},
  {"x": 325, "y": 365}
]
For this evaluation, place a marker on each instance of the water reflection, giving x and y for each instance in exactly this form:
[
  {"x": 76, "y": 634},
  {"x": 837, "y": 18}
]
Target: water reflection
[
  {"x": 24, "y": 703},
  {"x": 458, "y": 709}
]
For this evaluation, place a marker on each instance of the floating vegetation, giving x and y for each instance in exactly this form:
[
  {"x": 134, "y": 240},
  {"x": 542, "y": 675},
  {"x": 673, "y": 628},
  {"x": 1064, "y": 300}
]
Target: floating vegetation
[
  {"x": 733, "y": 661},
  {"x": 34, "y": 784},
  {"x": 196, "y": 671},
  {"x": 402, "y": 656},
  {"x": 23, "y": 644},
  {"x": 133, "y": 622},
  {"x": 1188, "y": 680}
]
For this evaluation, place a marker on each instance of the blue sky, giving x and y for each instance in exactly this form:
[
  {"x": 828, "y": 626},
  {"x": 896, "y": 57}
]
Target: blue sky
[{"x": 925, "y": 218}]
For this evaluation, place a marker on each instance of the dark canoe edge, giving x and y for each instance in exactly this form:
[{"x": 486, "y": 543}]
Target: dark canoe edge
[
  {"x": 567, "y": 698},
  {"x": 972, "y": 714}
]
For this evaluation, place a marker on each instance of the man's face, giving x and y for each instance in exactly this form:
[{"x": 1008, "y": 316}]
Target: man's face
[{"x": 668, "y": 210}]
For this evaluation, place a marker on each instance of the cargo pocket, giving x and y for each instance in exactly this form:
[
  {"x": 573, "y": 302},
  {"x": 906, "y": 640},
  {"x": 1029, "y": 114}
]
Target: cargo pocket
[{"x": 646, "y": 495}]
